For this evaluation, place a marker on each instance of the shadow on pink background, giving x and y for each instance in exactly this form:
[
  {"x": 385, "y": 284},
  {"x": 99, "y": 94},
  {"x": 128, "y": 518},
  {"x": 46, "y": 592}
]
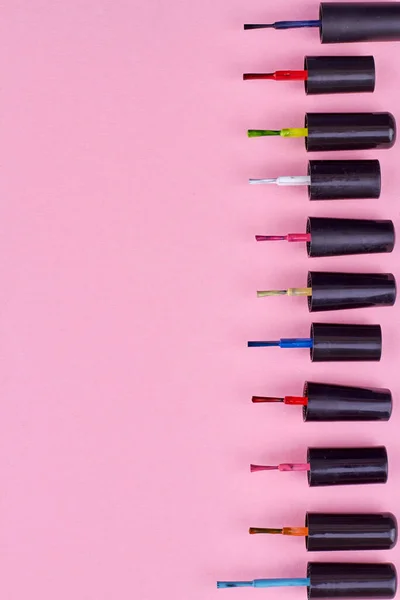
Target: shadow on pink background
[{"x": 129, "y": 271}]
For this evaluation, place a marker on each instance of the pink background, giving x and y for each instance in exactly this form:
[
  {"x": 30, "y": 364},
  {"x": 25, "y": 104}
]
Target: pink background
[{"x": 129, "y": 269}]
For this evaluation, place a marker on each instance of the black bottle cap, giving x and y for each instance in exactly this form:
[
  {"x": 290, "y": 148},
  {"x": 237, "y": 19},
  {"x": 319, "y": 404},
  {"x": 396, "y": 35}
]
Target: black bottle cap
[
  {"x": 339, "y": 74},
  {"x": 349, "y": 131},
  {"x": 339, "y": 291},
  {"x": 359, "y": 22},
  {"x": 351, "y": 580},
  {"x": 347, "y": 466},
  {"x": 339, "y": 237},
  {"x": 344, "y": 179},
  {"x": 359, "y": 531},
  {"x": 345, "y": 343},
  {"x": 329, "y": 402}
]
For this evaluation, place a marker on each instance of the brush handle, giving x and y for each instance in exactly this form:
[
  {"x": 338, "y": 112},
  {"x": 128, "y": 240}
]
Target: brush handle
[
  {"x": 296, "y": 343},
  {"x": 294, "y": 180},
  {"x": 290, "y": 75},
  {"x": 299, "y": 237},
  {"x": 292, "y": 582},
  {"x": 295, "y": 400},
  {"x": 296, "y": 24}
]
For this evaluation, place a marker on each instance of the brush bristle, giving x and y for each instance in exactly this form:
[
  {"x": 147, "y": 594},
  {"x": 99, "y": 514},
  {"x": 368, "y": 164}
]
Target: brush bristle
[
  {"x": 258, "y": 25},
  {"x": 247, "y": 76},
  {"x": 255, "y": 530},
  {"x": 262, "y": 132},
  {"x": 268, "y": 293},
  {"x": 257, "y": 399},
  {"x": 255, "y": 468},
  {"x": 270, "y": 238},
  {"x": 267, "y": 181},
  {"x": 269, "y": 344}
]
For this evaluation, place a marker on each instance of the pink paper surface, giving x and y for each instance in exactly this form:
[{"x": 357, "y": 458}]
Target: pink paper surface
[{"x": 129, "y": 269}]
